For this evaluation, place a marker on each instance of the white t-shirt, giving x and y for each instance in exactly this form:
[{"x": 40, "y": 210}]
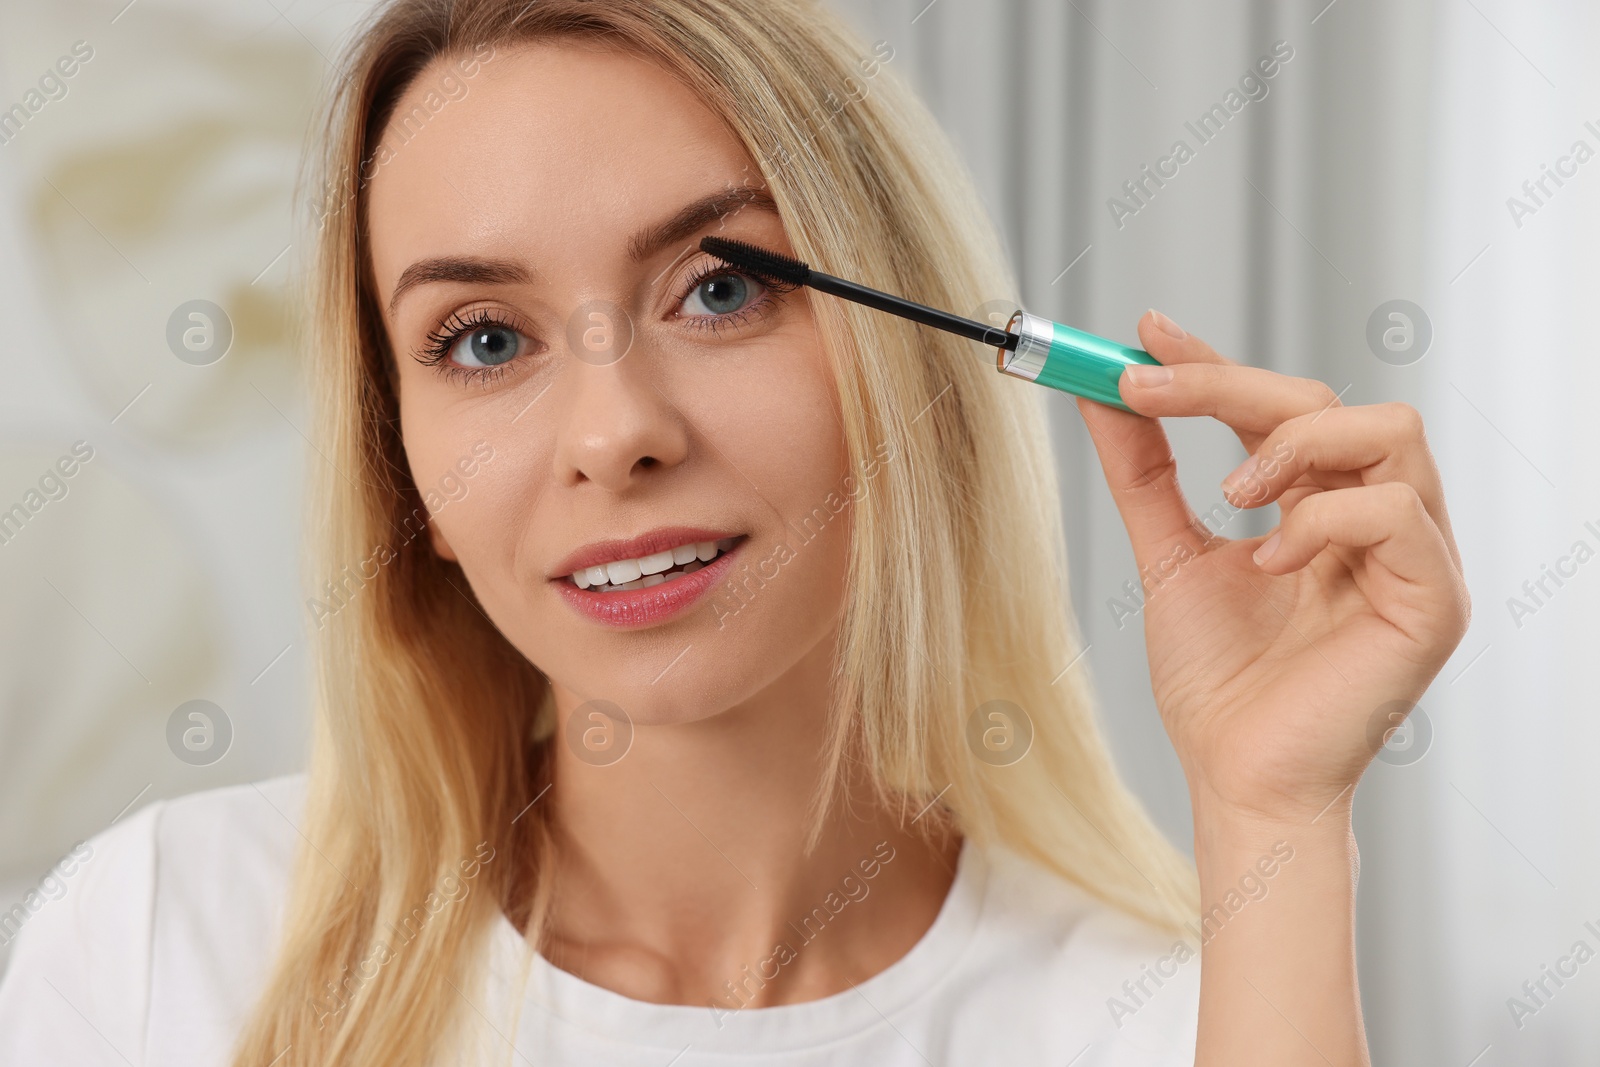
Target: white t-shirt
[{"x": 165, "y": 933}]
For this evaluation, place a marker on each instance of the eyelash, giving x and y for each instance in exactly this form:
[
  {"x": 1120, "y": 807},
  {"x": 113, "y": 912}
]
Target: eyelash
[{"x": 441, "y": 341}]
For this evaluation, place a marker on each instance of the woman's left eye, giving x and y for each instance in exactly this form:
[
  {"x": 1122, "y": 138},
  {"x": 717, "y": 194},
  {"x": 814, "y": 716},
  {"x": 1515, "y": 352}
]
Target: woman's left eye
[
  {"x": 488, "y": 345},
  {"x": 722, "y": 294}
]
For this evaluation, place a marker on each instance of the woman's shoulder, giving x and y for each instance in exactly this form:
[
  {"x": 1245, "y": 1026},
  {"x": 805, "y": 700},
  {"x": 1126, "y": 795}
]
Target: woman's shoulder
[
  {"x": 1131, "y": 988},
  {"x": 226, "y": 853},
  {"x": 167, "y": 919}
]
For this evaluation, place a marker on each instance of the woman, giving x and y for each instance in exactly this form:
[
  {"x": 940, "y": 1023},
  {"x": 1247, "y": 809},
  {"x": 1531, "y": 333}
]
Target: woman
[{"x": 691, "y": 651}]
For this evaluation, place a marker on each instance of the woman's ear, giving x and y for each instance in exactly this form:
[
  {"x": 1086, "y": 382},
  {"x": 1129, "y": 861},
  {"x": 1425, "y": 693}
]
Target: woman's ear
[{"x": 441, "y": 547}]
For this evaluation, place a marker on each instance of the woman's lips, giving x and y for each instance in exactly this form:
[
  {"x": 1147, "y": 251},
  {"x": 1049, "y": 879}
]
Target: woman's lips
[{"x": 635, "y": 608}]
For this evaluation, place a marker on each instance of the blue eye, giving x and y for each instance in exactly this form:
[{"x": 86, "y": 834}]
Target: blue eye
[
  {"x": 486, "y": 346},
  {"x": 721, "y": 294}
]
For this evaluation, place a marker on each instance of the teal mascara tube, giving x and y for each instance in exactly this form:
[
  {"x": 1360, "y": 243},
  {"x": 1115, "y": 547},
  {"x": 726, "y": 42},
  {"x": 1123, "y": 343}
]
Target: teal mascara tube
[
  {"x": 1068, "y": 359},
  {"x": 1030, "y": 347}
]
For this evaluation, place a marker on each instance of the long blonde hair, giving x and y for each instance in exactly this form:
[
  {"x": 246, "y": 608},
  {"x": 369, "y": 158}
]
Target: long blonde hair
[{"x": 430, "y": 728}]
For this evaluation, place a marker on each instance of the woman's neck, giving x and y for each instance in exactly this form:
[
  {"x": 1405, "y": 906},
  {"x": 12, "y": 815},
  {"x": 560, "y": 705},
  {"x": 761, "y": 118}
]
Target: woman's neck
[{"x": 682, "y": 864}]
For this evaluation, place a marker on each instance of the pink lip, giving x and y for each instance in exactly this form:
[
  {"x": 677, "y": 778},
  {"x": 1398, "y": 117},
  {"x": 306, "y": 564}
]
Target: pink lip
[{"x": 636, "y": 608}]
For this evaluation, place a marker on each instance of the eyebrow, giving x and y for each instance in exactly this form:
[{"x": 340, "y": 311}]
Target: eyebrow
[
  {"x": 457, "y": 269},
  {"x": 693, "y": 217}
]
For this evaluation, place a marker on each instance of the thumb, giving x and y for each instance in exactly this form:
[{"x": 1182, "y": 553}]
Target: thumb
[{"x": 1143, "y": 477}]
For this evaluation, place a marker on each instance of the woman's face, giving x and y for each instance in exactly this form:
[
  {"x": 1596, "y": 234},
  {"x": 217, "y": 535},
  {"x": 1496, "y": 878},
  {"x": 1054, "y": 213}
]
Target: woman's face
[{"x": 582, "y": 403}]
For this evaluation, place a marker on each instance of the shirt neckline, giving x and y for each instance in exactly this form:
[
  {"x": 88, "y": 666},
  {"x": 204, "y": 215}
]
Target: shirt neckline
[{"x": 552, "y": 993}]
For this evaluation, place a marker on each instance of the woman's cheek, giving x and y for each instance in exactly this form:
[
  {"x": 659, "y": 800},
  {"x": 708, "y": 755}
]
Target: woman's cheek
[
  {"x": 457, "y": 461},
  {"x": 775, "y": 410},
  {"x": 788, "y": 440}
]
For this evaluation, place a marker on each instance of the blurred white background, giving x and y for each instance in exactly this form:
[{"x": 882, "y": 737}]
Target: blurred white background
[{"x": 1377, "y": 166}]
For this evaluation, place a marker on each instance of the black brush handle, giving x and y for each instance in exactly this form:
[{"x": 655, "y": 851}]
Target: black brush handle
[
  {"x": 765, "y": 263},
  {"x": 909, "y": 309}
]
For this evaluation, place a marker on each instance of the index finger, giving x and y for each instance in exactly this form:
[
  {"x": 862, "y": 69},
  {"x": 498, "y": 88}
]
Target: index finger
[{"x": 1252, "y": 401}]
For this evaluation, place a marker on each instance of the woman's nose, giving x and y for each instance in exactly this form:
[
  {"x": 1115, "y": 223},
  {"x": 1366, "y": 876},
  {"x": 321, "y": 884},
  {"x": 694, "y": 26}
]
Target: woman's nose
[{"x": 617, "y": 425}]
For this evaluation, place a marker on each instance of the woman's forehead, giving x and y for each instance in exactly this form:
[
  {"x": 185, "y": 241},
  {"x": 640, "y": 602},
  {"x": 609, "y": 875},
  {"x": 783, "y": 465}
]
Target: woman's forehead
[{"x": 549, "y": 143}]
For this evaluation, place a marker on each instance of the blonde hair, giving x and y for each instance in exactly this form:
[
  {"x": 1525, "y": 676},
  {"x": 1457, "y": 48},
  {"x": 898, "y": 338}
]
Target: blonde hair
[{"x": 427, "y": 745}]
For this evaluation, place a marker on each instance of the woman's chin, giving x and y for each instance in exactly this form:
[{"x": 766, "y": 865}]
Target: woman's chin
[{"x": 636, "y": 699}]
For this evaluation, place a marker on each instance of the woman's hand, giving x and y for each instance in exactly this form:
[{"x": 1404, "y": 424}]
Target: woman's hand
[
  {"x": 1276, "y": 663},
  {"x": 1271, "y": 657}
]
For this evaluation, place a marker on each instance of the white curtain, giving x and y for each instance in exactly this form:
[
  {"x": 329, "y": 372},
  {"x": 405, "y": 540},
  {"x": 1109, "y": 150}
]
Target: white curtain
[{"x": 1375, "y": 168}]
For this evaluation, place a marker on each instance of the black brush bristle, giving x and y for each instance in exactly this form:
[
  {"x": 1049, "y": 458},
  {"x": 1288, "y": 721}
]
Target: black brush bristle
[{"x": 761, "y": 262}]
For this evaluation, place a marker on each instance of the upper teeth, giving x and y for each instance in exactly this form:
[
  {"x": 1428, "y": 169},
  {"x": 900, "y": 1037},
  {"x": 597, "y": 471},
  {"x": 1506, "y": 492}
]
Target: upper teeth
[{"x": 649, "y": 570}]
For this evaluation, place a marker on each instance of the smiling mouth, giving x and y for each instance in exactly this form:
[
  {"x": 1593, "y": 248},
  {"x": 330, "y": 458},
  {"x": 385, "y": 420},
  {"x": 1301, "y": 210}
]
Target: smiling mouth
[{"x": 645, "y": 571}]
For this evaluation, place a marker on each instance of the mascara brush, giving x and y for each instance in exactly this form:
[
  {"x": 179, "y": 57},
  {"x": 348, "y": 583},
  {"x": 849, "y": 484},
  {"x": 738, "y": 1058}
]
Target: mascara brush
[{"x": 1030, "y": 347}]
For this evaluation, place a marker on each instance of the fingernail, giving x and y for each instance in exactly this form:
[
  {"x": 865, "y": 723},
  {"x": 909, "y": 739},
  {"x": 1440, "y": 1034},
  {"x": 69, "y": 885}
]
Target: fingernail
[
  {"x": 1146, "y": 376},
  {"x": 1268, "y": 547},
  {"x": 1167, "y": 326},
  {"x": 1234, "y": 482}
]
